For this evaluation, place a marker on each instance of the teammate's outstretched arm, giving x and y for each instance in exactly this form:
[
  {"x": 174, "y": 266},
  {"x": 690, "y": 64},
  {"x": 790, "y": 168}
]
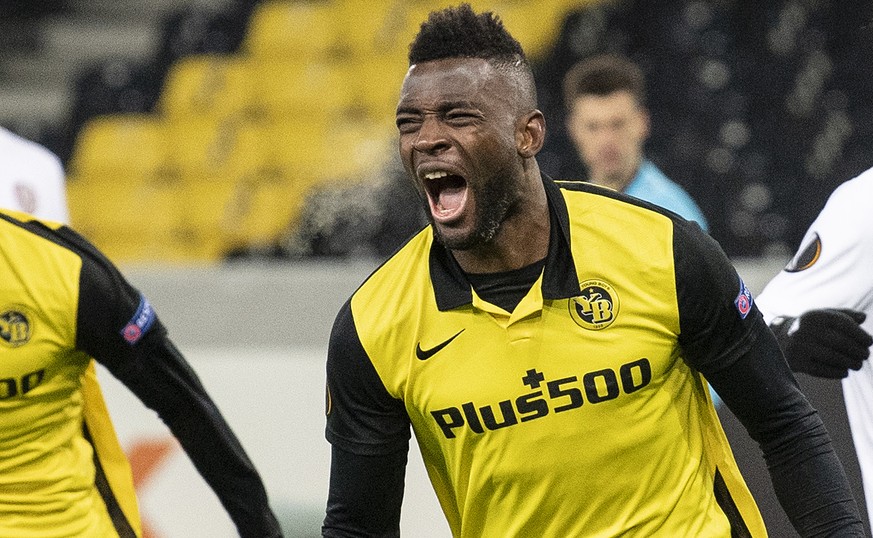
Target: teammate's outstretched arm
[{"x": 119, "y": 328}]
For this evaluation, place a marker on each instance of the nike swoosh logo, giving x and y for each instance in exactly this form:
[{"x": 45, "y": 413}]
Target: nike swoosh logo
[{"x": 424, "y": 354}]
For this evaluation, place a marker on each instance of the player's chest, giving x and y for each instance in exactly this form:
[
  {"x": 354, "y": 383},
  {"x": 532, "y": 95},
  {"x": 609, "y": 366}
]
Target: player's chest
[
  {"x": 35, "y": 349},
  {"x": 572, "y": 353}
]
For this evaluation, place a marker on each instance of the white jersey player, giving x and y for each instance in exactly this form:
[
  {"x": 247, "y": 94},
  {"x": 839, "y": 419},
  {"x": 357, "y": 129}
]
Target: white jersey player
[
  {"x": 819, "y": 304},
  {"x": 31, "y": 179}
]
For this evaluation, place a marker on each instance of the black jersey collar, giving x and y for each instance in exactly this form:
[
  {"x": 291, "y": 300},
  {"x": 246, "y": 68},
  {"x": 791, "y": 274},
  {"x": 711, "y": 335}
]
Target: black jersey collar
[{"x": 452, "y": 289}]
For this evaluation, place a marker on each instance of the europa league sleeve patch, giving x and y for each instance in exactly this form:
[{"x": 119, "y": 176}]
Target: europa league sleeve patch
[
  {"x": 807, "y": 257},
  {"x": 140, "y": 323},
  {"x": 743, "y": 301}
]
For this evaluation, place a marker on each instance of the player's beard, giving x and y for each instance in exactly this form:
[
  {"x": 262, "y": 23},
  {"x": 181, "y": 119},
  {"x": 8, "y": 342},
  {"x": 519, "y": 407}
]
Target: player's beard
[{"x": 495, "y": 202}]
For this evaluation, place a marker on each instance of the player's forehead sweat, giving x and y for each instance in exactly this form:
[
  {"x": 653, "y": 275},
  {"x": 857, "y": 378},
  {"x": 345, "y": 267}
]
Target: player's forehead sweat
[{"x": 460, "y": 32}]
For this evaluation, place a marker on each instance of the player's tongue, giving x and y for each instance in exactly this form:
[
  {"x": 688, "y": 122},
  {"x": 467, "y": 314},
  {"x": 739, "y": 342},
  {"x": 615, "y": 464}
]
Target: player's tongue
[
  {"x": 448, "y": 194},
  {"x": 450, "y": 199}
]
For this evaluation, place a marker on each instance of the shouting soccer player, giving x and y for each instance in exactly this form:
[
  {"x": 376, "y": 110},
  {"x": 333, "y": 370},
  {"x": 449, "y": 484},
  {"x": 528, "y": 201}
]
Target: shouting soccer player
[{"x": 549, "y": 342}]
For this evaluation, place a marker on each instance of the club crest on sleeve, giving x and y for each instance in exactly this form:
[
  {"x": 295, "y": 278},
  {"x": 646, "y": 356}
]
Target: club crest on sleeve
[
  {"x": 140, "y": 323},
  {"x": 744, "y": 300},
  {"x": 15, "y": 326},
  {"x": 597, "y": 306},
  {"x": 806, "y": 257}
]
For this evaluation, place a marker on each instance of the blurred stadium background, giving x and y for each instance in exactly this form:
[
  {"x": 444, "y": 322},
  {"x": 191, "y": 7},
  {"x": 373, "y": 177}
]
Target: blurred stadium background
[
  {"x": 196, "y": 133},
  {"x": 197, "y": 130}
]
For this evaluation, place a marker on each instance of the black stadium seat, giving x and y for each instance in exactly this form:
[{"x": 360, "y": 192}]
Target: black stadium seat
[{"x": 790, "y": 77}]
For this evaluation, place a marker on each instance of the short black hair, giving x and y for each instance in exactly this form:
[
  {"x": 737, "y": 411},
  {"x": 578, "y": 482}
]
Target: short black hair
[
  {"x": 602, "y": 75},
  {"x": 459, "y": 32}
]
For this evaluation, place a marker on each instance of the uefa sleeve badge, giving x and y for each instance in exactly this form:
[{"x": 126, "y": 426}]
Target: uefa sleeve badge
[{"x": 743, "y": 302}]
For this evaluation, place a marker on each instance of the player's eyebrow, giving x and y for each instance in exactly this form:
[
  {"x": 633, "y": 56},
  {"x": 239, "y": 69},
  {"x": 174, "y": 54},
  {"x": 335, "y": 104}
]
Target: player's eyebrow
[{"x": 442, "y": 107}]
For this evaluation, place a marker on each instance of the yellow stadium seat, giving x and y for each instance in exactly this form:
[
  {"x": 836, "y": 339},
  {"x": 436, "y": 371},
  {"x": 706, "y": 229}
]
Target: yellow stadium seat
[
  {"x": 301, "y": 30},
  {"x": 270, "y": 205},
  {"x": 209, "y": 85},
  {"x": 206, "y": 147},
  {"x": 126, "y": 144},
  {"x": 130, "y": 219},
  {"x": 368, "y": 27},
  {"x": 316, "y": 152},
  {"x": 116, "y": 202},
  {"x": 289, "y": 88},
  {"x": 258, "y": 191},
  {"x": 376, "y": 85},
  {"x": 247, "y": 211}
]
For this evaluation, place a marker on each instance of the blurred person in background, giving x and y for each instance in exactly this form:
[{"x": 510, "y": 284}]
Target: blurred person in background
[
  {"x": 821, "y": 308},
  {"x": 62, "y": 471},
  {"x": 530, "y": 336},
  {"x": 31, "y": 179},
  {"x": 608, "y": 123}
]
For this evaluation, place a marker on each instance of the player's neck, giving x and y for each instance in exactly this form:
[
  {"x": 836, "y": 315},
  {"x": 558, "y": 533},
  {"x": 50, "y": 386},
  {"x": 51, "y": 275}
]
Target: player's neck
[{"x": 523, "y": 239}]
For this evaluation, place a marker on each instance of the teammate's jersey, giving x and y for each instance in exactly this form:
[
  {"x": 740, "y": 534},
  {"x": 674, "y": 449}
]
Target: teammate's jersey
[
  {"x": 62, "y": 472},
  {"x": 578, "y": 413},
  {"x": 834, "y": 269},
  {"x": 47, "y": 458}
]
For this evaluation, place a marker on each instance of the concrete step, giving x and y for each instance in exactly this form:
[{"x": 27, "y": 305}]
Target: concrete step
[
  {"x": 34, "y": 104},
  {"x": 37, "y": 84},
  {"x": 29, "y": 70},
  {"x": 130, "y": 10},
  {"x": 88, "y": 39},
  {"x": 40, "y": 85}
]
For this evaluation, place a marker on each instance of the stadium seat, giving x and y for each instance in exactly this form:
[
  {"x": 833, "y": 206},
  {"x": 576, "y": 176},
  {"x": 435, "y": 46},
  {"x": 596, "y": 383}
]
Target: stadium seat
[
  {"x": 126, "y": 215},
  {"x": 318, "y": 152},
  {"x": 125, "y": 144},
  {"x": 209, "y": 85},
  {"x": 290, "y": 88},
  {"x": 368, "y": 27},
  {"x": 376, "y": 85},
  {"x": 232, "y": 212},
  {"x": 303, "y": 30},
  {"x": 203, "y": 147}
]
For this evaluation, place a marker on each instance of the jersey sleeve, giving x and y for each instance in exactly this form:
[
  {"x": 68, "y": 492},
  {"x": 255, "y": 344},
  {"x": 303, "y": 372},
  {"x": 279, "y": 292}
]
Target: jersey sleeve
[
  {"x": 370, "y": 432},
  {"x": 362, "y": 417},
  {"x": 724, "y": 336},
  {"x": 118, "y": 327},
  {"x": 718, "y": 319}
]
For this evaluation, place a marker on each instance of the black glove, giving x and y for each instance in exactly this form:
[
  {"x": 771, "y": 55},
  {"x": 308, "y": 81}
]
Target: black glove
[{"x": 824, "y": 343}]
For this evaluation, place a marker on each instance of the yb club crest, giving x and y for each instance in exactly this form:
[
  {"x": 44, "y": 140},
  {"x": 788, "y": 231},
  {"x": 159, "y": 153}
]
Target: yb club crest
[
  {"x": 597, "y": 307},
  {"x": 15, "y": 327}
]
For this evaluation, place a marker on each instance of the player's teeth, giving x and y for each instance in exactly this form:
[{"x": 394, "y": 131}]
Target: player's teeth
[{"x": 436, "y": 175}]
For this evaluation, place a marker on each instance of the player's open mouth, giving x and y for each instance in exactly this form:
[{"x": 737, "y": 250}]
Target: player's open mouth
[{"x": 446, "y": 193}]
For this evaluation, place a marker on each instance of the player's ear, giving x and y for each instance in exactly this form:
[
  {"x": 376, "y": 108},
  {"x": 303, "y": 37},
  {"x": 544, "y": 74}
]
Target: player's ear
[
  {"x": 646, "y": 122},
  {"x": 530, "y": 133}
]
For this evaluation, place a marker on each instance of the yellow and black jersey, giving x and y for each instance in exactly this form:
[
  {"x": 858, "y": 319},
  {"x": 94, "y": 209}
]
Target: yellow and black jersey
[
  {"x": 62, "y": 472},
  {"x": 583, "y": 411}
]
